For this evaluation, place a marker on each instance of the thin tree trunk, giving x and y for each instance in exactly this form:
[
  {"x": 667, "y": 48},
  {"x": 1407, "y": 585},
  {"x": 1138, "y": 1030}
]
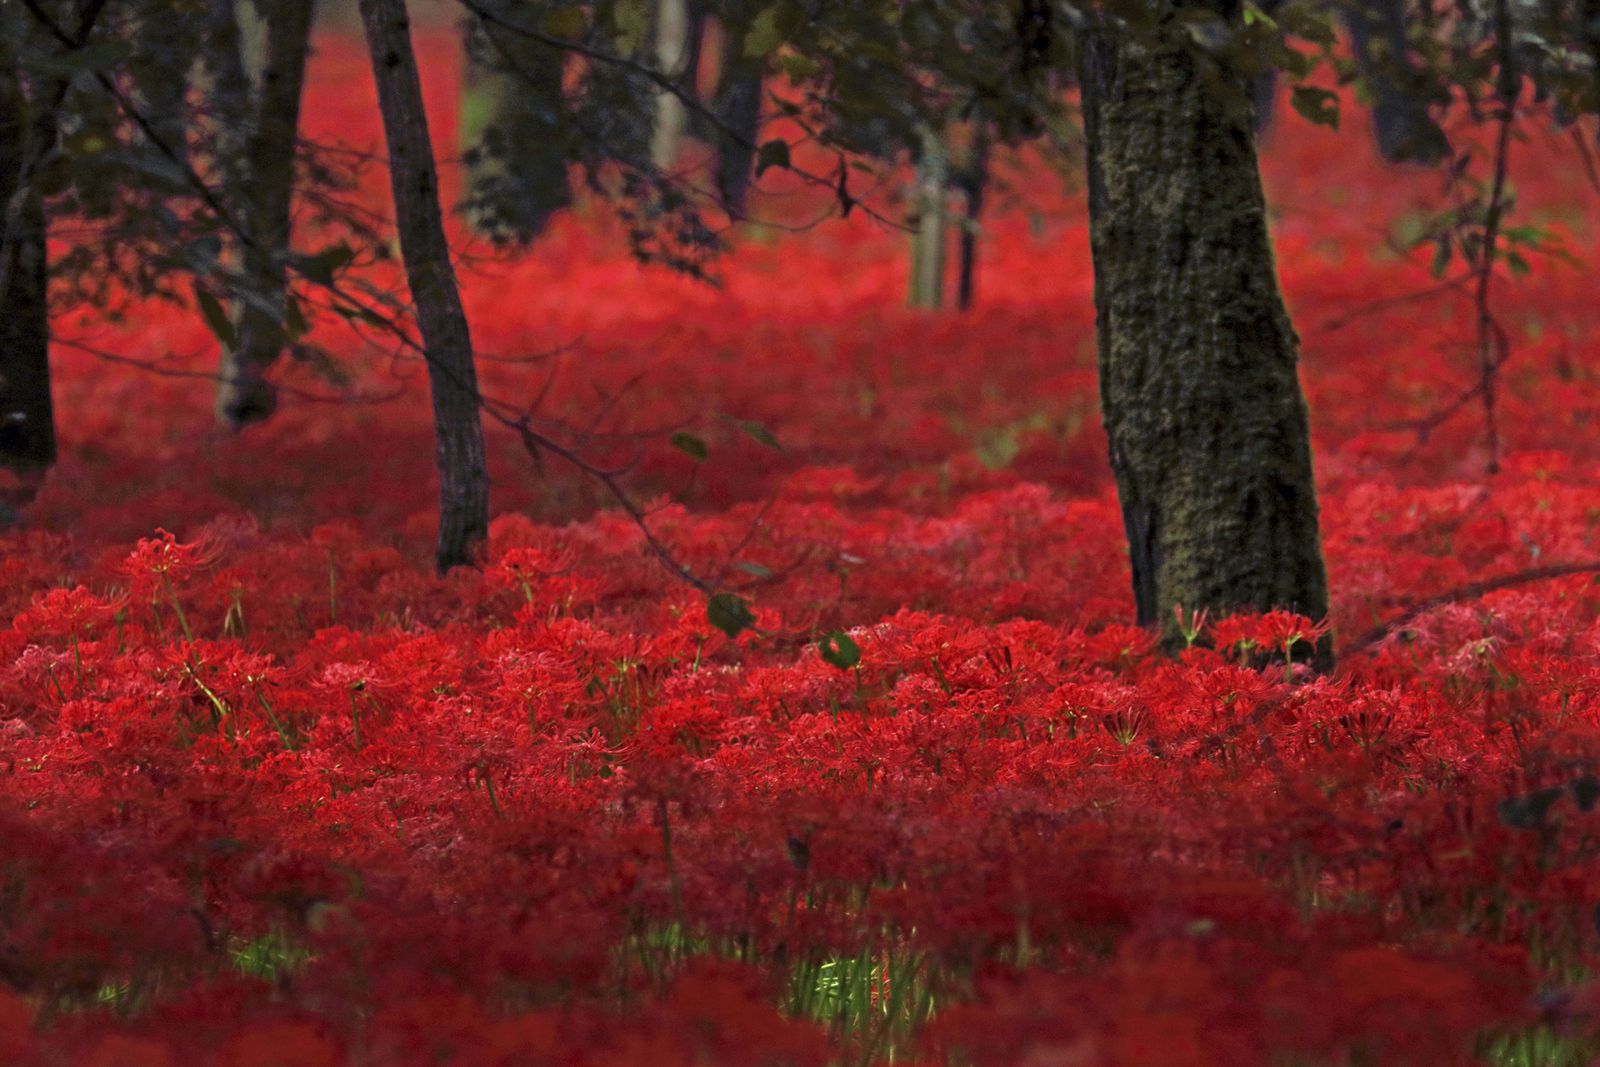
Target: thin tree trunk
[
  {"x": 458, "y": 425},
  {"x": 1591, "y": 38},
  {"x": 973, "y": 179},
  {"x": 672, "y": 56},
  {"x": 928, "y": 236},
  {"x": 514, "y": 131},
  {"x": 738, "y": 108},
  {"x": 1199, "y": 390},
  {"x": 263, "y": 190}
]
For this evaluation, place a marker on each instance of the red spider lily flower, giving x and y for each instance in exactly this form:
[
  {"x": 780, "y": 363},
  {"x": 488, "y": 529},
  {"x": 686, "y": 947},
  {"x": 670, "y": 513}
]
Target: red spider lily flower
[
  {"x": 63, "y": 612},
  {"x": 164, "y": 558},
  {"x": 1274, "y": 631}
]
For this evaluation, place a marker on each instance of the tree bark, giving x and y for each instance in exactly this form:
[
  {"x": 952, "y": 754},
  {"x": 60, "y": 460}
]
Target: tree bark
[
  {"x": 972, "y": 177},
  {"x": 1199, "y": 390},
  {"x": 27, "y": 418},
  {"x": 262, "y": 191},
  {"x": 738, "y": 109},
  {"x": 672, "y": 58},
  {"x": 458, "y": 425},
  {"x": 928, "y": 234}
]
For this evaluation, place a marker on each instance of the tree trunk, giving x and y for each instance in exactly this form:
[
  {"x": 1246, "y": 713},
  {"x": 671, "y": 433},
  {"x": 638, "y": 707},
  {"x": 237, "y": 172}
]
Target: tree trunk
[
  {"x": 738, "y": 109},
  {"x": 514, "y": 131},
  {"x": 928, "y": 235},
  {"x": 262, "y": 193},
  {"x": 1199, "y": 391},
  {"x": 458, "y": 425},
  {"x": 672, "y": 57},
  {"x": 972, "y": 177},
  {"x": 1590, "y": 15},
  {"x": 27, "y": 419},
  {"x": 1399, "y": 90}
]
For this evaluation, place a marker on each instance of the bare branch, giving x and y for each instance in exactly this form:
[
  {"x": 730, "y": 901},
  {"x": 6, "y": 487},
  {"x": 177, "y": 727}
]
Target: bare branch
[{"x": 1471, "y": 591}]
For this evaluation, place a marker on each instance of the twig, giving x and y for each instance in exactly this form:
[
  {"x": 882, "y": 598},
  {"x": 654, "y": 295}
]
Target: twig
[
  {"x": 155, "y": 367},
  {"x": 535, "y": 442},
  {"x": 1581, "y": 144},
  {"x": 1424, "y": 426},
  {"x": 1374, "y": 307},
  {"x": 1471, "y": 591}
]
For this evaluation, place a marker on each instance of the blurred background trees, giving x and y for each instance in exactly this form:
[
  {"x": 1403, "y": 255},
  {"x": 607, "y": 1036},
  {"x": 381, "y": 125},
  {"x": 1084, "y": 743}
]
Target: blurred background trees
[{"x": 151, "y": 150}]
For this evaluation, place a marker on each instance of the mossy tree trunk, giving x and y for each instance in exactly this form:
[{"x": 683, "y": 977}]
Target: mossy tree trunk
[
  {"x": 1199, "y": 388},
  {"x": 446, "y": 341}
]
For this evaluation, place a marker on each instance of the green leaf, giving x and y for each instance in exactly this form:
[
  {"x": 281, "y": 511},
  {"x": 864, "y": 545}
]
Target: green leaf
[
  {"x": 632, "y": 21},
  {"x": 799, "y": 67},
  {"x": 568, "y": 22},
  {"x": 358, "y": 313},
  {"x": 104, "y": 53},
  {"x": 760, "y": 433},
  {"x": 774, "y": 153},
  {"x": 1443, "y": 251},
  {"x": 1309, "y": 21},
  {"x": 1518, "y": 263},
  {"x": 295, "y": 324},
  {"x": 321, "y": 267},
  {"x": 765, "y": 33},
  {"x": 730, "y": 613},
  {"x": 688, "y": 442},
  {"x": 1253, "y": 15},
  {"x": 838, "y": 649},
  {"x": 216, "y": 316},
  {"x": 1320, "y": 106},
  {"x": 89, "y": 141}
]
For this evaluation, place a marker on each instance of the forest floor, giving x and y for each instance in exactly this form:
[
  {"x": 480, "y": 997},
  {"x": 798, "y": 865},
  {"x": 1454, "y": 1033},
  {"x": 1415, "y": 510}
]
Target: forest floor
[{"x": 271, "y": 793}]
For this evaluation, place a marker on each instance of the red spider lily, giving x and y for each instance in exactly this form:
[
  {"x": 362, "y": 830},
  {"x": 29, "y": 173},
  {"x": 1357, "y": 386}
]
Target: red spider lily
[
  {"x": 163, "y": 557},
  {"x": 547, "y": 813}
]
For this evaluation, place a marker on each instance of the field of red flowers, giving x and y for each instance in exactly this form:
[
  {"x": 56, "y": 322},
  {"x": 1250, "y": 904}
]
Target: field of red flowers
[{"x": 274, "y": 795}]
